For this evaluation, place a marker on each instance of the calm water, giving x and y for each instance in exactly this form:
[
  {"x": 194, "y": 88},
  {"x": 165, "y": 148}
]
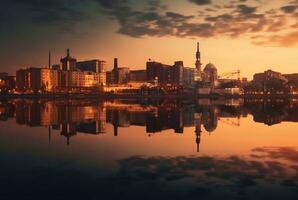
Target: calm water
[{"x": 88, "y": 149}]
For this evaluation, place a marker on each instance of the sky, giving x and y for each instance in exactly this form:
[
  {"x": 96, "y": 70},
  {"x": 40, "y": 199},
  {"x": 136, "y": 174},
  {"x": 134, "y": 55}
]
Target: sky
[{"x": 249, "y": 35}]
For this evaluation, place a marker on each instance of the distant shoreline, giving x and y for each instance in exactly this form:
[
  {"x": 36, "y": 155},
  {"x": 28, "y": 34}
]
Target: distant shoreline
[{"x": 137, "y": 96}]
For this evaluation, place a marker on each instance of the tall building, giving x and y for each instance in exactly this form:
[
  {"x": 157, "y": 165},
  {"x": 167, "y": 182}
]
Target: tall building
[
  {"x": 96, "y": 66},
  {"x": 120, "y": 75},
  {"x": 165, "y": 74},
  {"x": 37, "y": 80},
  {"x": 137, "y": 76},
  {"x": 177, "y": 73},
  {"x": 68, "y": 63},
  {"x": 158, "y": 72}
]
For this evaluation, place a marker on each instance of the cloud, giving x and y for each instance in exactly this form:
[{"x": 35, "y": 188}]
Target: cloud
[
  {"x": 201, "y": 2},
  {"x": 63, "y": 11},
  {"x": 286, "y": 40},
  {"x": 238, "y": 19},
  {"x": 153, "y": 18},
  {"x": 246, "y": 10},
  {"x": 289, "y": 8}
]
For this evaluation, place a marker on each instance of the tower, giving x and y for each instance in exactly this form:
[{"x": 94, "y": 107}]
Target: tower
[
  {"x": 68, "y": 52},
  {"x": 198, "y": 62},
  {"x": 115, "y": 63},
  {"x": 50, "y": 59}
]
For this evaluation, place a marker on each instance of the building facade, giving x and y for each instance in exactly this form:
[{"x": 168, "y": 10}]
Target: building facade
[{"x": 88, "y": 75}]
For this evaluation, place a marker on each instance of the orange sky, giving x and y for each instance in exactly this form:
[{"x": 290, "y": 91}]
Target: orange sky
[{"x": 252, "y": 35}]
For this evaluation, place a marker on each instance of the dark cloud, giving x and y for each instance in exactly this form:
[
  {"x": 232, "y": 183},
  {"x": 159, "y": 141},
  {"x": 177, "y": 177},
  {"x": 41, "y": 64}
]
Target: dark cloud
[
  {"x": 238, "y": 19},
  {"x": 201, "y": 2},
  {"x": 289, "y": 8},
  {"x": 246, "y": 10},
  {"x": 62, "y": 11},
  {"x": 154, "y": 19}
]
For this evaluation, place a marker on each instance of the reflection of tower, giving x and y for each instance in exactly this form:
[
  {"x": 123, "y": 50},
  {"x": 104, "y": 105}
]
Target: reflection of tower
[
  {"x": 68, "y": 130},
  {"x": 198, "y": 130},
  {"x": 210, "y": 118},
  {"x": 198, "y": 62},
  {"x": 115, "y": 121},
  {"x": 50, "y": 134}
]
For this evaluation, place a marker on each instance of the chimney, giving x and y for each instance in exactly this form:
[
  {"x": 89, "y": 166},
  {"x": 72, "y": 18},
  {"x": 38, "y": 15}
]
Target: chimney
[{"x": 115, "y": 63}]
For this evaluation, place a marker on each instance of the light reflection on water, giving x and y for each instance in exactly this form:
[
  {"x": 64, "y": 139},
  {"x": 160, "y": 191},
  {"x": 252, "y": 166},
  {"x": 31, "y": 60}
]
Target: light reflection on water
[{"x": 171, "y": 150}]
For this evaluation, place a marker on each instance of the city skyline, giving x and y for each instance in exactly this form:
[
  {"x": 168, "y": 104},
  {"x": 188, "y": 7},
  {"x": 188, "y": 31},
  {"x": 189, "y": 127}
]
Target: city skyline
[{"x": 106, "y": 29}]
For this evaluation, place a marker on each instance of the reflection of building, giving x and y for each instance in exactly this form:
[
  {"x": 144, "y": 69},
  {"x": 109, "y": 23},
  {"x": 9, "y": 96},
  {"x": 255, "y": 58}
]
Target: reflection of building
[{"x": 70, "y": 118}]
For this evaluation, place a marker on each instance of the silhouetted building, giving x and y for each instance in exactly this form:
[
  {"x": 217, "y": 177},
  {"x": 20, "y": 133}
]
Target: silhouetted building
[
  {"x": 98, "y": 66},
  {"x": 119, "y": 75},
  {"x": 210, "y": 75},
  {"x": 188, "y": 76},
  {"x": 158, "y": 72},
  {"x": 268, "y": 75},
  {"x": 165, "y": 74},
  {"x": 7, "y": 82},
  {"x": 37, "y": 80},
  {"x": 68, "y": 63},
  {"x": 176, "y": 73},
  {"x": 137, "y": 76}
]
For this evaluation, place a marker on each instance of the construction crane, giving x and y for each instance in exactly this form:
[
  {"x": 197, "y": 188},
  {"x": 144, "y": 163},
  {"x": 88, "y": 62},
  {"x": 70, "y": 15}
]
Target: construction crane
[{"x": 231, "y": 74}]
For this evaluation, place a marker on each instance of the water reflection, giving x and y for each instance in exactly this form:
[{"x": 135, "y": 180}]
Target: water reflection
[
  {"x": 109, "y": 169},
  {"x": 71, "y": 117}
]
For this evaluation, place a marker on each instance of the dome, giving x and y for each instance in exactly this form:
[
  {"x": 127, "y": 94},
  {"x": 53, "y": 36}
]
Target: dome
[{"x": 210, "y": 67}]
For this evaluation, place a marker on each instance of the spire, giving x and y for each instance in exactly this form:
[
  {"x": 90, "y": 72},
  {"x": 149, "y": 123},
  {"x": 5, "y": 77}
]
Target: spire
[
  {"x": 115, "y": 63},
  {"x": 68, "y": 52},
  {"x": 50, "y": 59},
  {"x": 198, "y": 63},
  {"x": 198, "y": 54}
]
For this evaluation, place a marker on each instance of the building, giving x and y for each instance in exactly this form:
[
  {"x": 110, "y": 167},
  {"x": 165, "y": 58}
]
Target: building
[
  {"x": 176, "y": 73},
  {"x": 165, "y": 74},
  {"x": 37, "y": 80},
  {"x": 137, "y": 76},
  {"x": 209, "y": 75},
  {"x": 188, "y": 76},
  {"x": 88, "y": 75},
  {"x": 7, "y": 82},
  {"x": 96, "y": 66},
  {"x": 268, "y": 75},
  {"x": 292, "y": 78},
  {"x": 158, "y": 72},
  {"x": 198, "y": 64},
  {"x": 68, "y": 63},
  {"x": 119, "y": 75}
]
